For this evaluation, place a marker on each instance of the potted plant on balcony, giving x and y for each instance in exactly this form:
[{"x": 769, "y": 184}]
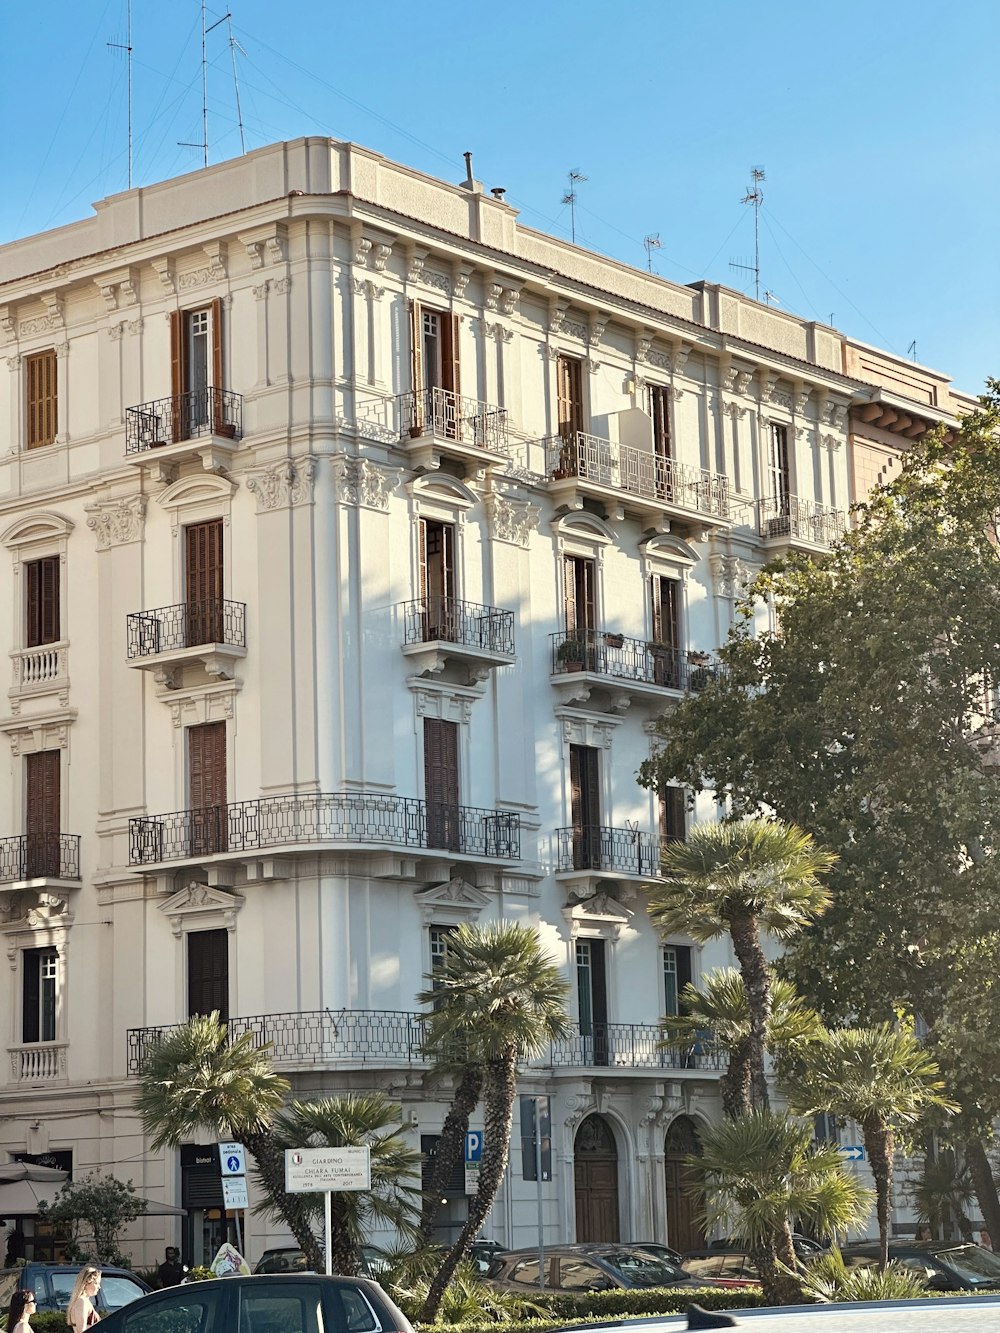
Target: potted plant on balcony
[
  {"x": 572, "y": 653},
  {"x": 700, "y": 672},
  {"x": 615, "y": 640}
]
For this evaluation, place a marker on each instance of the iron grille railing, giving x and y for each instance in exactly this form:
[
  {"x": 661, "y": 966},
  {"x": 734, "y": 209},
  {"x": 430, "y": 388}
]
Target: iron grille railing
[
  {"x": 467, "y": 623},
  {"x": 354, "y": 817},
  {"x": 393, "y": 1037},
  {"x": 449, "y": 416},
  {"x": 789, "y": 516},
  {"x": 608, "y": 654},
  {"x": 639, "y": 471},
  {"x": 184, "y": 416},
  {"x": 616, "y": 850},
  {"x": 187, "y": 625},
  {"x": 40, "y": 855}
]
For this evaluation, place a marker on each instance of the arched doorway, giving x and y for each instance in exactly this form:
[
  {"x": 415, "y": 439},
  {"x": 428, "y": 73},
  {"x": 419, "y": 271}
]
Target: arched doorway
[
  {"x": 595, "y": 1170},
  {"x": 684, "y": 1231}
]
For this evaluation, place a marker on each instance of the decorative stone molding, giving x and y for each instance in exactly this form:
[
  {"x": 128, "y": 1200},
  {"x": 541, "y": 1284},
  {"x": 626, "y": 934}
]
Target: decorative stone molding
[
  {"x": 117, "y": 522},
  {"x": 365, "y": 287},
  {"x": 660, "y": 360},
  {"x": 30, "y": 910},
  {"x": 643, "y": 345},
  {"x": 583, "y": 729},
  {"x": 451, "y": 903},
  {"x": 29, "y": 735},
  {"x": 744, "y": 378},
  {"x": 734, "y": 410},
  {"x": 831, "y": 443},
  {"x": 509, "y": 300},
  {"x": 439, "y": 281},
  {"x": 511, "y": 521},
  {"x": 592, "y": 365},
  {"x": 578, "y": 1107},
  {"x": 557, "y": 314},
  {"x": 284, "y": 484},
  {"x": 802, "y": 397},
  {"x": 380, "y": 256},
  {"x": 108, "y": 294},
  {"x": 134, "y": 326},
  {"x": 282, "y": 286},
  {"x": 198, "y": 905},
  {"x": 415, "y": 264},
  {"x": 206, "y": 703},
  {"x": 439, "y": 699},
  {"x": 834, "y": 413},
  {"x": 572, "y": 329},
  {"x": 261, "y": 289},
  {"x": 13, "y": 363},
  {"x": 493, "y": 293},
  {"x": 730, "y": 574},
  {"x": 165, "y": 272},
  {"x": 362, "y": 249},
  {"x": 362, "y": 482},
  {"x": 115, "y": 331},
  {"x": 8, "y": 325},
  {"x": 595, "y": 914},
  {"x": 62, "y": 351},
  {"x": 461, "y": 279},
  {"x": 598, "y": 323},
  {"x": 679, "y": 356}
]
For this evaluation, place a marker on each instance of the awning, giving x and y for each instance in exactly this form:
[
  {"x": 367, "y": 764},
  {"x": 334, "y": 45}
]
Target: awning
[{"x": 23, "y": 1186}]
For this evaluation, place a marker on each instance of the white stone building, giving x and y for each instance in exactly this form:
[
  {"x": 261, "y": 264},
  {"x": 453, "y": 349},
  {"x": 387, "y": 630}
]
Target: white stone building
[{"x": 357, "y": 536}]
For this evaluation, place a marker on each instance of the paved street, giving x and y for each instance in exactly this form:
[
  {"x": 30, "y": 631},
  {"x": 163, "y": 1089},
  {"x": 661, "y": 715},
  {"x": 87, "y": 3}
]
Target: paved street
[{"x": 968, "y": 1314}]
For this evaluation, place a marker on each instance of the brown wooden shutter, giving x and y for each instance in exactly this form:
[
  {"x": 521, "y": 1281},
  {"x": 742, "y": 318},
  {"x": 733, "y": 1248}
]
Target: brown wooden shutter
[
  {"x": 41, "y": 601},
  {"x": 666, "y": 610},
  {"x": 208, "y": 972},
  {"x": 569, "y": 590},
  {"x": 42, "y": 401},
  {"x": 42, "y": 803},
  {"x": 450, "y": 369},
  {"x": 441, "y": 787},
  {"x": 659, "y": 407},
  {"x": 585, "y": 807},
  {"x": 207, "y": 788},
  {"x": 416, "y": 347},
  {"x": 218, "y": 414},
  {"x": 569, "y": 395},
  {"x": 178, "y": 373},
  {"x": 673, "y": 824},
  {"x": 203, "y": 582}
]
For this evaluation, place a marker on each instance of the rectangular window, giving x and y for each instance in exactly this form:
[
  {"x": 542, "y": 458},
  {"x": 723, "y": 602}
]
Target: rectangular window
[
  {"x": 437, "y": 580},
  {"x": 207, "y": 788},
  {"x": 569, "y": 397},
  {"x": 673, "y": 814},
  {"x": 196, "y": 370},
  {"x": 39, "y": 993},
  {"x": 434, "y": 345},
  {"x": 41, "y": 601},
  {"x": 592, "y": 996},
  {"x": 208, "y": 972},
  {"x": 659, "y": 410},
  {"x": 441, "y": 785},
  {"x": 203, "y": 582},
  {"x": 585, "y": 806},
  {"x": 439, "y": 952},
  {"x": 579, "y": 579},
  {"x": 42, "y": 814},
  {"x": 676, "y": 975},
  {"x": 825, "y": 1128},
  {"x": 778, "y": 463},
  {"x": 42, "y": 398}
]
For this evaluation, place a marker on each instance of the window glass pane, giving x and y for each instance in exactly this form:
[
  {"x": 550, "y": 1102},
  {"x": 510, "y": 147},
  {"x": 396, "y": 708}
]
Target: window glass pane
[
  {"x": 118, "y": 1291},
  {"x": 197, "y": 1314},
  {"x": 280, "y": 1309},
  {"x": 585, "y": 986},
  {"x": 670, "y": 981},
  {"x": 358, "y": 1314},
  {"x": 575, "y": 1273}
]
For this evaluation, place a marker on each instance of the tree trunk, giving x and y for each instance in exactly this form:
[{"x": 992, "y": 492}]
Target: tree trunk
[
  {"x": 293, "y": 1209},
  {"x": 499, "y": 1088},
  {"x": 734, "y": 1085},
  {"x": 343, "y": 1251},
  {"x": 757, "y": 980},
  {"x": 879, "y": 1147},
  {"x": 451, "y": 1146},
  {"x": 985, "y": 1187},
  {"x": 778, "y": 1287}
]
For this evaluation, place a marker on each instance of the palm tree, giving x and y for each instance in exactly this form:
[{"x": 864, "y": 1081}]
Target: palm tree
[
  {"x": 880, "y": 1077},
  {"x": 761, "y": 1169},
  {"x": 352, "y": 1121},
  {"x": 198, "y": 1077},
  {"x": 450, "y": 1150},
  {"x": 741, "y": 878},
  {"x": 719, "y": 1010},
  {"x": 499, "y": 992},
  {"x": 941, "y": 1194}
]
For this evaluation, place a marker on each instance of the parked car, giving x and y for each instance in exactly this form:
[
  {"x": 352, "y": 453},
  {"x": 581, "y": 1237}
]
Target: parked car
[
  {"x": 482, "y": 1254},
  {"x": 655, "y": 1247},
  {"x": 593, "y": 1267},
  {"x": 727, "y": 1267},
  {"x": 290, "y": 1259},
  {"x": 946, "y": 1265},
  {"x": 305, "y": 1302},
  {"x": 53, "y": 1285}
]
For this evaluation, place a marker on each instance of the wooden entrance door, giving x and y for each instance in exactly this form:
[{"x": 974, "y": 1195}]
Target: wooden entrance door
[
  {"x": 203, "y": 582},
  {"x": 441, "y": 784},
  {"x": 595, "y": 1172},
  {"x": 42, "y": 812},
  {"x": 207, "y": 788},
  {"x": 684, "y": 1232}
]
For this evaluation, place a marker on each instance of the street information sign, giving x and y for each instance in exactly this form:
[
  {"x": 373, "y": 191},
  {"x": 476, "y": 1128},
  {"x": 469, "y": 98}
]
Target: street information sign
[
  {"x": 312, "y": 1170},
  {"x": 232, "y": 1159},
  {"x": 234, "y": 1192}
]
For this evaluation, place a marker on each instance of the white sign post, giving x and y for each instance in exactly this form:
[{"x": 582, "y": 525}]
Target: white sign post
[
  {"x": 323, "y": 1170},
  {"x": 233, "y": 1166}
]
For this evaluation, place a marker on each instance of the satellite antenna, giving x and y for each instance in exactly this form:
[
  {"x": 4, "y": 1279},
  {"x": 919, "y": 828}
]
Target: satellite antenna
[
  {"x": 651, "y": 243},
  {"x": 204, "y": 86},
  {"x": 127, "y": 48},
  {"x": 574, "y": 177},
  {"x": 755, "y": 197},
  {"x": 234, "y": 46}
]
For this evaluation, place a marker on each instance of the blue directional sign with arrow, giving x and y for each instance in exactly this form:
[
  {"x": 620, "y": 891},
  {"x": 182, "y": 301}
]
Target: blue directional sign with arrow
[{"x": 852, "y": 1152}]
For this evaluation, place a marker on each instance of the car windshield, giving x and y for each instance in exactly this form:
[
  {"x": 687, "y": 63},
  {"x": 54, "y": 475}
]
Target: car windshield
[
  {"x": 972, "y": 1263},
  {"x": 638, "y": 1268}
]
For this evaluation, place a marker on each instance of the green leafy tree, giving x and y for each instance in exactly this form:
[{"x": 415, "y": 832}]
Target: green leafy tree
[
  {"x": 197, "y": 1077},
  {"x": 93, "y": 1212},
  {"x": 869, "y": 721},
  {"x": 357, "y": 1120},
  {"x": 719, "y": 1013},
  {"x": 499, "y": 992},
  {"x": 882, "y": 1078},
  {"x": 941, "y": 1194},
  {"x": 757, "y": 1172},
  {"x": 740, "y": 879}
]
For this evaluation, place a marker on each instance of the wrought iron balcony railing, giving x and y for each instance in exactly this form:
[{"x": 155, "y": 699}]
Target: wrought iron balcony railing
[
  {"x": 793, "y": 518},
  {"x": 639, "y": 471},
  {"x": 187, "y": 625},
  {"x": 393, "y": 1037},
  {"x": 465, "y": 623},
  {"x": 616, "y": 655},
  {"x": 352, "y": 817},
  {"x": 449, "y": 416},
  {"x": 615, "y": 850},
  {"x": 184, "y": 416},
  {"x": 40, "y": 856}
]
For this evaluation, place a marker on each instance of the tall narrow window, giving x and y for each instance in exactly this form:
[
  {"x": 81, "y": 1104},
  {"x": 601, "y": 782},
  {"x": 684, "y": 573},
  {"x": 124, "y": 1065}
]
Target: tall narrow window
[
  {"x": 665, "y": 609},
  {"x": 208, "y": 972},
  {"x": 196, "y": 370},
  {"x": 439, "y": 952},
  {"x": 592, "y": 997},
  {"x": 659, "y": 409},
  {"x": 436, "y": 372},
  {"x": 585, "y": 807},
  {"x": 207, "y": 788},
  {"x": 42, "y": 398},
  {"x": 203, "y": 582},
  {"x": 41, "y": 601},
  {"x": 39, "y": 982},
  {"x": 673, "y": 814},
  {"x": 42, "y": 814},
  {"x": 437, "y": 579},
  {"x": 778, "y": 465},
  {"x": 569, "y": 397},
  {"x": 676, "y": 975},
  {"x": 579, "y": 578},
  {"x": 441, "y": 785}
]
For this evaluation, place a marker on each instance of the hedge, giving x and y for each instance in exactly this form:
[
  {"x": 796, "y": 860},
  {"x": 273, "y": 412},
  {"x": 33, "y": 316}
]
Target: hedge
[{"x": 598, "y": 1306}]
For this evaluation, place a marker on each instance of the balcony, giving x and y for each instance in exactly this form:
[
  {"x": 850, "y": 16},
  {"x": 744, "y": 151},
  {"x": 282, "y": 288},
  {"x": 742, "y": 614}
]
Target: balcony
[
  {"x": 618, "y": 853},
  {"x": 203, "y": 423},
  {"x": 439, "y": 630},
  {"x": 788, "y": 523},
  {"x": 347, "y": 821},
  {"x": 38, "y": 1062},
  {"x": 41, "y": 670},
  {"x": 433, "y": 424},
  {"x": 636, "y": 481},
  {"x": 625, "y": 669},
  {"x": 381, "y": 1038},
  {"x": 35, "y": 856},
  {"x": 211, "y": 632}
]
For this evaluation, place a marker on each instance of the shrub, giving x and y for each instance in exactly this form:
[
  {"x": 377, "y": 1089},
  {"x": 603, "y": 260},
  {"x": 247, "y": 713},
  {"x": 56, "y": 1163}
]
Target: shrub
[{"x": 827, "y": 1279}]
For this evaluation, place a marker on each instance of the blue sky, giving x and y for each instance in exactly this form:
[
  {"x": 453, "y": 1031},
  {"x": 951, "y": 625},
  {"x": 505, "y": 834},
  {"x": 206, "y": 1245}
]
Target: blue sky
[{"x": 878, "y": 125}]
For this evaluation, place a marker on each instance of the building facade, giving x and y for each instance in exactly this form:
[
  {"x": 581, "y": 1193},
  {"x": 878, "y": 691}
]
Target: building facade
[{"x": 357, "y": 537}]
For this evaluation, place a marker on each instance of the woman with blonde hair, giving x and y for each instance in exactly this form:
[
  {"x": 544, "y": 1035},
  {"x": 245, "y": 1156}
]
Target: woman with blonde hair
[{"x": 82, "y": 1313}]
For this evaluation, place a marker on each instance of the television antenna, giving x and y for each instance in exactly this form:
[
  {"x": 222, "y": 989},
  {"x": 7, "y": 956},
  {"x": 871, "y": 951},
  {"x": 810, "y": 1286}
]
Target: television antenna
[
  {"x": 912, "y": 348},
  {"x": 234, "y": 46},
  {"x": 574, "y": 177},
  {"x": 754, "y": 197},
  {"x": 771, "y": 299},
  {"x": 204, "y": 84},
  {"x": 651, "y": 243},
  {"x": 126, "y": 46}
]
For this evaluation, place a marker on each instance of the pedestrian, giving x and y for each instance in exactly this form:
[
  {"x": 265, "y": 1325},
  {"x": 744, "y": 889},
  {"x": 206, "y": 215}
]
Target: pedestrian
[
  {"x": 15, "y": 1247},
  {"x": 171, "y": 1272},
  {"x": 81, "y": 1313},
  {"x": 985, "y": 1241},
  {"x": 22, "y": 1307},
  {"x": 924, "y": 1233}
]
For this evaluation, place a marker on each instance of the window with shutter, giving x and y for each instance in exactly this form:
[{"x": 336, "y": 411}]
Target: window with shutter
[
  {"x": 592, "y": 997},
  {"x": 208, "y": 972},
  {"x": 196, "y": 369},
  {"x": 676, "y": 975},
  {"x": 673, "y": 814},
  {"x": 579, "y": 580},
  {"x": 659, "y": 408},
  {"x": 437, "y": 579},
  {"x": 569, "y": 397},
  {"x": 42, "y": 623},
  {"x": 585, "y": 806},
  {"x": 39, "y": 982},
  {"x": 203, "y": 582},
  {"x": 441, "y": 784},
  {"x": 207, "y": 788},
  {"x": 42, "y": 398},
  {"x": 42, "y": 813},
  {"x": 665, "y": 600},
  {"x": 778, "y": 463}
]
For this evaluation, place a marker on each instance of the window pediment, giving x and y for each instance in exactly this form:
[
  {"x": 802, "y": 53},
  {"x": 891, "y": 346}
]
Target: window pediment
[
  {"x": 451, "y": 903},
  {"x": 44, "y": 527},
  {"x": 197, "y": 490},
  {"x": 198, "y": 906}
]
